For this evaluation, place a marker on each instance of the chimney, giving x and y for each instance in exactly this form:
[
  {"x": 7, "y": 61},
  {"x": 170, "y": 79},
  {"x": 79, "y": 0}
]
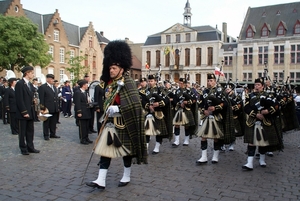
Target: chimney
[
  {"x": 101, "y": 33},
  {"x": 224, "y": 30}
]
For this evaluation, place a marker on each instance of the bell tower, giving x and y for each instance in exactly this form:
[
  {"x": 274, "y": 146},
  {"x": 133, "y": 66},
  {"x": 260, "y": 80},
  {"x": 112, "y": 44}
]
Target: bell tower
[{"x": 187, "y": 15}]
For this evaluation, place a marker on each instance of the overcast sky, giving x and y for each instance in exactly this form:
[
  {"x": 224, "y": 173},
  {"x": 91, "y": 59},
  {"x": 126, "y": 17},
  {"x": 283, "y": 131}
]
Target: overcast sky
[{"x": 137, "y": 19}]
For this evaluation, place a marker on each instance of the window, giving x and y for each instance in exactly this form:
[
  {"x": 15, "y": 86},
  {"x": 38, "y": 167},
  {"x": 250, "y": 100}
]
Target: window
[
  {"x": 280, "y": 30},
  {"x": 248, "y": 55},
  {"x": 177, "y": 38},
  {"x": 278, "y": 54},
  {"x": 51, "y": 52},
  {"x": 297, "y": 27},
  {"x": 56, "y": 35},
  {"x": 61, "y": 74},
  {"x": 263, "y": 54},
  {"x": 187, "y": 57},
  {"x": 72, "y": 55},
  {"x": 167, "y": 60},
  {"x": 90, "y": 41},
  {"x": 247, "y": 77},
  {"x": 228, "y": 60},
  {"x": 260, "y": 75},
  {"x": 198, "y": 78},
  {"x": 50, "y": 70},
  {"x": 198, "y": 56},
  {"x": 167, "y": 77},
  {"x": 279, "y": 75},
  {"x": 249, "y": 32},
  {"x": 295, "y": 54},
  {"x": 177, "y": 57},
  {"x": 294, "y": 77},
  {"x": 168, "y": 39},
  {"x": 86, "y": 62},
  {"x": 188, "y": 37},
  {"x": 72, "y": 76},
  {"x": 228, "y": 75},
  {"x": 94, "y": 62},
  {"x": 209, "y": 56},
  {"x": 148, "y": 53},
  {"x": 157, "y": 58},
  {"x": 62, "y": 55},
  {"x": 16, "y": 9},
  {"x": 264, "y": 31}
]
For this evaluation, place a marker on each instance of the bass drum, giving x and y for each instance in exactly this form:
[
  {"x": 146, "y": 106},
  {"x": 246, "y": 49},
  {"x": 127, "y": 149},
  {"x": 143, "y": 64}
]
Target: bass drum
[{"x": 92, "y": 89}]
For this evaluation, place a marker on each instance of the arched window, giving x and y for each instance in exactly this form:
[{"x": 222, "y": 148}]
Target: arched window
[
  {"x": 297, "y": 27},
  {"x": 264, "y": 31}
]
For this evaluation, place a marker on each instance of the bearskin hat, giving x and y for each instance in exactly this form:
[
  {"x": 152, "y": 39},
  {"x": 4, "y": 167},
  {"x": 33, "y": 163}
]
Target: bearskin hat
[
  {"x": 116, "y": 53},
  {"x": 259, "y": 80}
]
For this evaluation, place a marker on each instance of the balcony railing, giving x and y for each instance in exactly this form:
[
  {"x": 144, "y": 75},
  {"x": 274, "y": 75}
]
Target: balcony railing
[{"x": 174, "y": 67}]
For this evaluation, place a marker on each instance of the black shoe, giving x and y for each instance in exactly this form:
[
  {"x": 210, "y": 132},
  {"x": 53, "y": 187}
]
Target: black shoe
[
  {"x": 175, "y": 145},
  {"x": 58, "y": 122},
  {"x": 25, "y": 152},
  {"x": 46, "y": 138},
  {"x": 84, "y": 142},
  {"x": 90, "y": 132},
  {"x": 89, "y": 141},
  {"x": 154, "y": 152},
  {"x": 94, "y": 185},
  {"x": 121, "y": 184},
  {"x": 54, "y": 136},
  {"x": 34, "y": 151},
  {"x": 247, "y": 168},
  {"x": 201, "y": 163},
  {"x": 185, "y": 145},
  {"x": 93, "y": 131}
]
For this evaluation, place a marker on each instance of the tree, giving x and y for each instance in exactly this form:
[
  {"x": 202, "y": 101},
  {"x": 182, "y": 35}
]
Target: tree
[
  {"x": 76, "y": 68},
  {"x": 21, "y": 44}
]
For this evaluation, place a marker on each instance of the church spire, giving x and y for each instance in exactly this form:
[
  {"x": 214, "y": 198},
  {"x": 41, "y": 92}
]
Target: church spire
[{"x": 187, "y": 15}]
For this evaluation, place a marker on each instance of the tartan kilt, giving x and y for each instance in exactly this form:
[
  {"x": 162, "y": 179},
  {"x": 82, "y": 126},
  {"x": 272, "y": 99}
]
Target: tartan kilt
[
  {"x": 124, "y": 138},
  {"x": 237, "y": 128},
  {"x": 162, "y": 126},
  {"x": 190, "y": 116},
  {"x": 269, "y": 130}
]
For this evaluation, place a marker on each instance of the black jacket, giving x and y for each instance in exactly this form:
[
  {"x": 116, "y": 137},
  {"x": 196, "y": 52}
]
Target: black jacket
[
  {"x": 81, "y": 105},
  {"x": 10, "y": 100},
  {"x": 48, "y": 98},
  {"x": 24, "y": 100}
]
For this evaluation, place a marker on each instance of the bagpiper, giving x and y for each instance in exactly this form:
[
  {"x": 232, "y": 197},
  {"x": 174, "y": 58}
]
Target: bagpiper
[
  {"x": 217, "y": 119},
  {"x": 261, "y": 130}
]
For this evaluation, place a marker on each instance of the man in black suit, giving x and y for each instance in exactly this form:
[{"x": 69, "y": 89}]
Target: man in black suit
[
  {"x": 92, "y": 109},
  {"x": 99, "y": 98},
  {"x": 25, "y": 111},
  {"x": 10, "y": 105},
  {"x": 49, "y": 100},
  {"x": 82, "y": 112},
  {"x": 4, "y": 112}
]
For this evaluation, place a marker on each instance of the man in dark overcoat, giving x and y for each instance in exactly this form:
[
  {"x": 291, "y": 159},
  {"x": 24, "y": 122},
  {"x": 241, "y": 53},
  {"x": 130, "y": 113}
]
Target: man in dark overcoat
[
  {"x": 25, "y": 111},
  {"x": 49, "y": 100}
]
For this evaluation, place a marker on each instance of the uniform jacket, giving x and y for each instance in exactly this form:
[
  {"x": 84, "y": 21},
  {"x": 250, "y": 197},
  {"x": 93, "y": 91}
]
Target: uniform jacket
[
  {"x": 99, "y": 97},
  {"x": 81, "y": 105},
  {"x": 24, "y": 100},
  {"x": 10, "y": 100},
  {"x": 48, "y": 98}
]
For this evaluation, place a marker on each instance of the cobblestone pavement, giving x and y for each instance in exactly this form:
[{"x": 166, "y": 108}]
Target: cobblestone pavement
[{"x": 56, "y": 173}]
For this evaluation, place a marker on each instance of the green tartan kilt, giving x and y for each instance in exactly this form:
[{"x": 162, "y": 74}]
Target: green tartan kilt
[
  {"x": 237, "y": 128},
  {"x": 190, "y": 117},
  {"x": 161, "y": 126},
  {"x": 269, "y": 130},
  {"x": 124, "y": 138}
]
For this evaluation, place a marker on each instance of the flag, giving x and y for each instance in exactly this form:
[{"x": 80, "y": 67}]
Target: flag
[
  {"x": 167, "y": 50},
  {"x": 218, "y": 72},
  {"x": 147, "y": 66}
]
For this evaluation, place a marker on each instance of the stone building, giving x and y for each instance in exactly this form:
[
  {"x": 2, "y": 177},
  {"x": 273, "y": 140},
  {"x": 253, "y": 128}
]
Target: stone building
[
  {"x": 183, "y": 50},
  {"x": 270, "y": 39},
  {"x": 65, "y": 40}
]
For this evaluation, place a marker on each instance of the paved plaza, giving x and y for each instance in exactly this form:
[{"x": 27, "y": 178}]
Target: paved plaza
[{"x": 56, "y": 173}]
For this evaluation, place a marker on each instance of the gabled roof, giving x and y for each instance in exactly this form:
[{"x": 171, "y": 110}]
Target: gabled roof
[
  {"x": 36, "y": 18},
  {"x": 204, "y": 33},
  {"x": 82, "y": 32},
  {"x": 72, "y": 32},
  {"x": 4, "y": 5},
  {"x": 272, "y": 15},
  {"x": 101, "y": 38}
]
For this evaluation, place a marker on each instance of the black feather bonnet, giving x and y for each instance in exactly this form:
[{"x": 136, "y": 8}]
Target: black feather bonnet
[{"x": 116, "y": 53}]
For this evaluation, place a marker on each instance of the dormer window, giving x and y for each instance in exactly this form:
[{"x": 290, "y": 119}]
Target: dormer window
[
  {"x": 281, "y": 29},
  {"x": 250, "y": 31},
  {"x": 265, "y": 31},
  {"x": 297, "y": 27}
]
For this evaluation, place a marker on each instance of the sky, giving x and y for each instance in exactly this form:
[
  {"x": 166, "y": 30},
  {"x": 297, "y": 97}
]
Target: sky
[{"x": 138, "y": 19}]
